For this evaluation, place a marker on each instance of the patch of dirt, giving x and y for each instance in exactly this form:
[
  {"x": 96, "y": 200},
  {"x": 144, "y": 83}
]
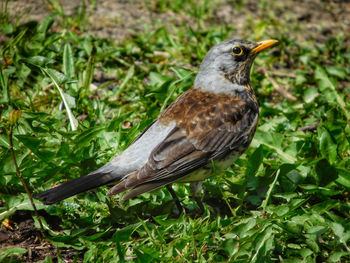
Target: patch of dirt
[
  {"x": 303, "y": 20},
  {"x": 25, "y": 235}
]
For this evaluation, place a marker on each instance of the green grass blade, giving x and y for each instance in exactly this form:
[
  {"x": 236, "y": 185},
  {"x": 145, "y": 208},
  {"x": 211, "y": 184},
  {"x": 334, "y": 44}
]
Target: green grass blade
[{"x": 73, "y": 121}]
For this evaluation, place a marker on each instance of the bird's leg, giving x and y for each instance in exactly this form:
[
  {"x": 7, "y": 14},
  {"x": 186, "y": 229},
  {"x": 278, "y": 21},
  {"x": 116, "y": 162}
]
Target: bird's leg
[
  {"x": 196, "y": 188},
  {"x": 176, "y": 199}
]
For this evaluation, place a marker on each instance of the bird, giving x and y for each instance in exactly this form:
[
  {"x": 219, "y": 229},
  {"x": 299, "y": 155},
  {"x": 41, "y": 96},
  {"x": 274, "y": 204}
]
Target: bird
[{"x": 215, "y": 120}]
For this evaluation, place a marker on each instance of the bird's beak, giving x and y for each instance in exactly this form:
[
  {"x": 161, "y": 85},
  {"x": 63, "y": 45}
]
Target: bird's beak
[{"x": 264, "y": 45}]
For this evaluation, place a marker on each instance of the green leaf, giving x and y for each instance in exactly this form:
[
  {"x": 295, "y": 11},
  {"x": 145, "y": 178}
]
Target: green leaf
[
  {"x": 144, "y": 257},
  {"x": 69, "y": 66},
  {"x": 338, "y": 230},
  {"x": 269, "y": 191},
  {"x": 22, "y": 202},
  {"x": 310, "y": 94},
  {"x": 46, "y": 260},
  {"x": 4, "y": 141},
  {"x": 326, "y": 84},
  {"x": 343, "y": 178},
  {"x": 337, "y": 72},
  {"x": 122, "y": 86},
  {"x": 39, "y": 61},
  {"x": 261, "y": 244},
  {"x": 44, "y": 27},
  {"x": 274, "y": 142},
  {"x": 254, "y": 162},
  {"x": 56, "y": 77},
  {"x": 325, "y": 172},
  {"x": 157, "y": 79},
  {"x": 35, "y": 145},
  {"x": 290, "y": 177},
  {"x": 68, "y": 61},
  {"x": 11, "y": 252},
  {"x": 229, "y": 246},
  {"x": 70, "y": 100},
  {"x": 4, "y": 76},
  {"x": 336, "y": 256},
  {"x": 125, "y": 233},
  {"x": 87, "y": 136},
  {"x": 328, "y": 147},
  {"x": 7, "y": 29}
]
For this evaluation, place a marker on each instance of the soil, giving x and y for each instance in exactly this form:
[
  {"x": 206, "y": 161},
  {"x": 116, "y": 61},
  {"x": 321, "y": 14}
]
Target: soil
[
  {"x": 317, "y": 20},
  {"x": 22, "y": 233}
]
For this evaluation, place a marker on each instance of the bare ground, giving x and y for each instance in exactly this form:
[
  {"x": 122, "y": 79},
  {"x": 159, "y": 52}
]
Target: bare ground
[{"x": 312, "y": 19}]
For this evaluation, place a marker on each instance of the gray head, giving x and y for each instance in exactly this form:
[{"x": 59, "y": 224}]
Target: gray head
[{"x": 227, "y": 65}]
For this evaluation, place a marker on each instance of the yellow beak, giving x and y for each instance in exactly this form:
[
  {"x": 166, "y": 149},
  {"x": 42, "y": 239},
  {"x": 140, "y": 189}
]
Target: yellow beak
[{"x": 264, "y": 45}]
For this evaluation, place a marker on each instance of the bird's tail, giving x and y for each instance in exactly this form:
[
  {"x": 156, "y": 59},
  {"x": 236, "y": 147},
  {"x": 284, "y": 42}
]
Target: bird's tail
[{"x": 76, "y": 186}]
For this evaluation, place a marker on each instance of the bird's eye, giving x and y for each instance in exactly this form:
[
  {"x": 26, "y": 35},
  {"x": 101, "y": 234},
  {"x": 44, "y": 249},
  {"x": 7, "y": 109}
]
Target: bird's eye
[{"x": 237, "y": 51}]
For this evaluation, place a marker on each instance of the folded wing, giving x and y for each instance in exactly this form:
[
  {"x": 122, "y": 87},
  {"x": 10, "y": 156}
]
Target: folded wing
[{"x": 207, "y": 127}]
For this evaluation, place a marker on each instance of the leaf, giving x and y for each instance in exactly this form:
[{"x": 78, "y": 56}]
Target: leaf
[
  {"x": 125, "y": 233},
  {"x": 3, "y": 85},
  {"x": 325, "y": 83},
  {"x": 156, "y": 79},
  {"x": 39, "y": 61},
  {"x": 69, "y": 66},
  {"x": 290, "y": 177},
  {"x": 122, "y": 86},
  {"x": 44, "y": 27},
  {"x": 328, "y": 147},
  {"x": 46, "y": 260},
  {"x": 34, "y": 144},
  {"x": 11, "y": 252},
  {"x": 87, "y": 136},
  {"x": 260, "y": 242},
  {"x": 310, "y": 94},
  {"x": 269, "y": 191},
  {"x": 274, "y": 142},
  {"x": 343, "y": 178},
  {"x": 4, "y": 141},
  {"x": 23, "y": 203},
  {"x": 68, "y": 61},
  {"x": 143, "y": 257},
  {"x": 245, "y": 226},
  {"x": 70, "y": 100},
  {"x": 98, "y": 235},
  {"x": 230, "y": 246},
  {"x": 254, "y": 162},
  {"x": 336, "y": 256},
  {"x": 4, "y": 76},
  {"x": 337, "y": 72},
  {"x": 182, "y": 73},
  {"x": 325, "y": 172},
  {"x": 339, "y": 231},
  {"x": 56, "y": 76}
]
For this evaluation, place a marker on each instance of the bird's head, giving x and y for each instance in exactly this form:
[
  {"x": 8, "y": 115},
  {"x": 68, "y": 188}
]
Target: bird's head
[{"x": 231, "y": 60}]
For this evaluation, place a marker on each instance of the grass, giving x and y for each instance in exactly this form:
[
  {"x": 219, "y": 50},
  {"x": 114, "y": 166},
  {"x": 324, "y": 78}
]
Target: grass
[{"x": 73, "y": 101}]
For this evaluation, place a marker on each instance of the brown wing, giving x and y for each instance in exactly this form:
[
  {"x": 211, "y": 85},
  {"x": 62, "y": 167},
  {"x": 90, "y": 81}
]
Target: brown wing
[{"x": 208, "y": 126}]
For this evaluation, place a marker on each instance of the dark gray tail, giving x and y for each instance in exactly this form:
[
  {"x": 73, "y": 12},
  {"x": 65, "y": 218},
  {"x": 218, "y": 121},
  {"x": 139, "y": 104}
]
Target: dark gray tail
[{"x": 76, "y": 186}]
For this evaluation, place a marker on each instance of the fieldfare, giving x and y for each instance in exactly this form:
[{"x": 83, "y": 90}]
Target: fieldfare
[{"x": 213, "y": 121}]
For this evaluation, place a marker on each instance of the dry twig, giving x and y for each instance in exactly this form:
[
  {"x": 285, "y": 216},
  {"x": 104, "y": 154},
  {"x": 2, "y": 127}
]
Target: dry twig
[
  {"x": 14, "y": 115},
  {"x": 277, "y": 87}
]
